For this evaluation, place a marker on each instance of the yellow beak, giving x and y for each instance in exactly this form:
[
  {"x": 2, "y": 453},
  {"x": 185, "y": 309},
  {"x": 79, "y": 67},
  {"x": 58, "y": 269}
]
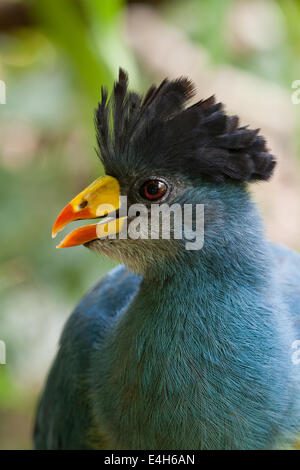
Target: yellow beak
[{"x": 99, "y": 199}]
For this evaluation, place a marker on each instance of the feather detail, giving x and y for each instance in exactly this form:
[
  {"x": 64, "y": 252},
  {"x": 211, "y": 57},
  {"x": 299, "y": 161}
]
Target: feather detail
[{"x": 159, "y": 131}]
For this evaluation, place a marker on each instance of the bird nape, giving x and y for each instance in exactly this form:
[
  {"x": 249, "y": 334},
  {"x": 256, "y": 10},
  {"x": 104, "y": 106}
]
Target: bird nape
[{"x": 177, "y": 348}]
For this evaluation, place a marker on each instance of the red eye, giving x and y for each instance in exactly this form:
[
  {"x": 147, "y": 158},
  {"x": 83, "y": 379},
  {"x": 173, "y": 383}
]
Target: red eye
[{"x": 153, "y": 189}]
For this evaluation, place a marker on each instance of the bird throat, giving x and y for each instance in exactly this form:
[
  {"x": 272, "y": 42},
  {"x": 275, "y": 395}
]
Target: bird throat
[{"x": 175, "y": 362}]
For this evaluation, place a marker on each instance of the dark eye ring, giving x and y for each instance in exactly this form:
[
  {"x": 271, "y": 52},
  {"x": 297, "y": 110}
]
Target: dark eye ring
[{"x": 153, "y": 189}]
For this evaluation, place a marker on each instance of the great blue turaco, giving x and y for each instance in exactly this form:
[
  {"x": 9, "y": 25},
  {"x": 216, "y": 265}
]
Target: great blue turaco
[{"x": 177, "y": 348}]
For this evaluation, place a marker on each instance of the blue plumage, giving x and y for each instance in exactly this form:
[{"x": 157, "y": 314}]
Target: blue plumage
[{"x": 193, "y": 350}]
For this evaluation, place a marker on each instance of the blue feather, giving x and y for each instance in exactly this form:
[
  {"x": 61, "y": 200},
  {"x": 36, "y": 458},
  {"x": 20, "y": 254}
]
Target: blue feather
[{"x": 197, "y": 354}]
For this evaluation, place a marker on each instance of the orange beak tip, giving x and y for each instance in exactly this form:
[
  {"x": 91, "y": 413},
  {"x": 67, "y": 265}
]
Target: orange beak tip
[
  {"x": 79, "y": 236},
  {"x": 63, "y": 244},
  {"x": 66, "y": 215}
]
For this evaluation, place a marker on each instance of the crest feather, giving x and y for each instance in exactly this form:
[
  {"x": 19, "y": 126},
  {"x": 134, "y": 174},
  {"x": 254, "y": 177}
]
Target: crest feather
[{"x": 160, "y": 132}]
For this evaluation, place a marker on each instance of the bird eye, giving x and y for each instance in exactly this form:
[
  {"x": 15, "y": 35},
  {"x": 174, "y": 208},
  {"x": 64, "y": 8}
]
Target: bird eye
[{"x": 153, "y": 189}]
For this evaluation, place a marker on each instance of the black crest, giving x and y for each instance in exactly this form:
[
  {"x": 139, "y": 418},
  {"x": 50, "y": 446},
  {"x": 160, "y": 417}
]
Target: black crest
[{"x": 160, "y": 132}]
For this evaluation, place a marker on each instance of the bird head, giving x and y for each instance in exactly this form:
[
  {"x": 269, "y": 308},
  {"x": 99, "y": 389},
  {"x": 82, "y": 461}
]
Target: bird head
[{"x": 161, "y": 154}]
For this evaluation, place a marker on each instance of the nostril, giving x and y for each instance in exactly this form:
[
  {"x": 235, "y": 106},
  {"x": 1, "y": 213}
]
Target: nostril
[{"x": 82, "y": 205}]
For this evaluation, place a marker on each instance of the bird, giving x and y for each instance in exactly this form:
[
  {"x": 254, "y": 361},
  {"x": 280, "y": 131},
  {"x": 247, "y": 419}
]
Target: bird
[{"x": 176, "y": 348}]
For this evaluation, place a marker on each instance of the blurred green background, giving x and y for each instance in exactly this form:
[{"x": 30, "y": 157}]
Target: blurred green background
[{"x": 54, "y": 56}]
